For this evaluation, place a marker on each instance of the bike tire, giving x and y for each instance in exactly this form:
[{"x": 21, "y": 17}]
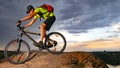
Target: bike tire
[
  {"x": 15, "y": 56},
  {"x": 61, "y": 43}
]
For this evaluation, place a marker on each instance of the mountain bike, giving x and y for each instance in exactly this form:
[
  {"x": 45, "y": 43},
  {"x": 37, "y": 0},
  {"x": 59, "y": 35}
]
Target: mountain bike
[{"x": 17, "y": 51}]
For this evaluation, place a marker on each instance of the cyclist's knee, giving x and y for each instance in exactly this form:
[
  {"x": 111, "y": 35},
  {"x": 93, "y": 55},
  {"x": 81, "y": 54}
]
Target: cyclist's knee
[{"x": 42, "y": 25}]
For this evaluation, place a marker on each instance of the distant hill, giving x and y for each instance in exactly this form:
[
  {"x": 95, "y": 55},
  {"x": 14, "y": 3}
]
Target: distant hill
[
  {"x": 1, "y": 54},
  {"x": 112, "y": 58}
]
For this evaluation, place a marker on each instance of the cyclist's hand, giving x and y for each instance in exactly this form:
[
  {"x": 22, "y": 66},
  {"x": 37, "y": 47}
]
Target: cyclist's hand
[{"x": 18, "y": 23}]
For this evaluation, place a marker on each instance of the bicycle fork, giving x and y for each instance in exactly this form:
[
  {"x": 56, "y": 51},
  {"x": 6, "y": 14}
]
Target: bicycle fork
[
  {"x": 19, "y": 42},
  {"x": 19, "y": 45}
]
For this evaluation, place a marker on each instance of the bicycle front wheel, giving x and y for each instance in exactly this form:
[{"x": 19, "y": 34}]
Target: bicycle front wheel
[
  {"x": 55, "y": 43},
  {"x": 17, "y": 51}
]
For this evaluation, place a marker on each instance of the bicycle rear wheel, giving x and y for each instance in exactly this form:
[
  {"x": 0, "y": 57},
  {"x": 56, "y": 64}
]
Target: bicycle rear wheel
[
  {"x": 55, "y": 43},
  {"x": 17, "y": 51}
]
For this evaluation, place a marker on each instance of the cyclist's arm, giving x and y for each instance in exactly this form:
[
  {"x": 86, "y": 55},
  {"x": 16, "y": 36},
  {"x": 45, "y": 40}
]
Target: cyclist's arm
[
  {"x": 30, "y": 23},
  {"x": 29, "y": 16}
]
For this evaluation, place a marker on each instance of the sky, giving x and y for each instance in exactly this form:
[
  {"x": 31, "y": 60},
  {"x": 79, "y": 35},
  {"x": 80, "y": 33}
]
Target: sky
[{"x": 77, "y": 20}]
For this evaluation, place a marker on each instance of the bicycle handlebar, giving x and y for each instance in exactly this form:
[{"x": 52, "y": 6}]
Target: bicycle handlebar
[
  {"x": 19, "y": 26},
  {"x": 18, "y": 23}
]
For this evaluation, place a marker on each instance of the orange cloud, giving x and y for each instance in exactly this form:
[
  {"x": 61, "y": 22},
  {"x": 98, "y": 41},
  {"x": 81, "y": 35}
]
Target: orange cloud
[{"x": 111, "y": 44}]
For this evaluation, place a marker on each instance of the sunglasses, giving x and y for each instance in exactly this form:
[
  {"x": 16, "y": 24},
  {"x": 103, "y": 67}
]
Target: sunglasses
[{"x": 28, "y": 11}]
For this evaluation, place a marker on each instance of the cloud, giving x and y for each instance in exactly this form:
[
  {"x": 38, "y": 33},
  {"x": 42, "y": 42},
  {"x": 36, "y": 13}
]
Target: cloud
[
  {"x": 116, "y": 26},
  {"x": 90, "y": 13},
  {"x": 77, "y": 8},
  {"x": 95, "y": 45},
  {"x": 73, "y": 16}
]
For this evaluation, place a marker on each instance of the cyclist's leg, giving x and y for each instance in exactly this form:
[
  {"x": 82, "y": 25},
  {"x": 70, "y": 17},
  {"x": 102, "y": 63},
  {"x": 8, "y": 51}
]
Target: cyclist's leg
[
  {"x": 42, "y": 31},
  {"x": 46, "y": 25}
]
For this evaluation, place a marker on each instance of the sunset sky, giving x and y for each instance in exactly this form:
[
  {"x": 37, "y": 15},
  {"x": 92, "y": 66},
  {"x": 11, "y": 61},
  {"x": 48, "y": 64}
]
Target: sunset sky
[{"x": 78, "y": 20}]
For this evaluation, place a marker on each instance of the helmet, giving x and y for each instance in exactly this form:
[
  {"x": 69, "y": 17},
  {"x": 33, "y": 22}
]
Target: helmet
[{"x": 29, "y": 7}]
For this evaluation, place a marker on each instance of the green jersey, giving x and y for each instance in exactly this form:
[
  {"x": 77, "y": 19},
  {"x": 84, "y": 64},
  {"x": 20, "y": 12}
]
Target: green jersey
[{"x": 42, "y": 12}]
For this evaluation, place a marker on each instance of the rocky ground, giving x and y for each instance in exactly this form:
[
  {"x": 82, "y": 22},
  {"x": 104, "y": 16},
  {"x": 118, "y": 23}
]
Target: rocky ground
[{"x": 64, "y": 60}]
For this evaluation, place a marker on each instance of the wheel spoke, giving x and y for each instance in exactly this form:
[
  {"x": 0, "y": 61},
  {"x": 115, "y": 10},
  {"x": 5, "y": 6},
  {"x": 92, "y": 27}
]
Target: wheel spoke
[{"x": 57, "y": 41}]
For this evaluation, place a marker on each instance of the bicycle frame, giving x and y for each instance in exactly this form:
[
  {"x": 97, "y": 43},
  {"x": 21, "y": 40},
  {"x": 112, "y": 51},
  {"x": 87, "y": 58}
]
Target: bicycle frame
[{"x": 25, "y": 33}]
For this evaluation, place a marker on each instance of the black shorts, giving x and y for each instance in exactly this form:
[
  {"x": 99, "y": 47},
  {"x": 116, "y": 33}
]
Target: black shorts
[{"x": 49, "y": 22}]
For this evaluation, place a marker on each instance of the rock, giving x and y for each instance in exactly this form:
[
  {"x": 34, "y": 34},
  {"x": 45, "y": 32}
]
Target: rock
[{"x": 64, "y": 60}]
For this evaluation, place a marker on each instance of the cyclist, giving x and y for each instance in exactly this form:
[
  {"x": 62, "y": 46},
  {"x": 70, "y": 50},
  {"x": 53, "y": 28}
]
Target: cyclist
[{"x": 35, "y": 13}]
